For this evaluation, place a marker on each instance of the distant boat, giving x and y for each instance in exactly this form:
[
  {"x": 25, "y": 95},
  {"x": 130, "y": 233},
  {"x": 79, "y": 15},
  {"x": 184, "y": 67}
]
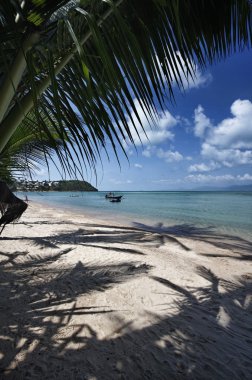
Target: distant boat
[
  {"x": 109, "y": 195},
  {"x": 74, "y": 195},
  {"x": 113, "y": 198}
]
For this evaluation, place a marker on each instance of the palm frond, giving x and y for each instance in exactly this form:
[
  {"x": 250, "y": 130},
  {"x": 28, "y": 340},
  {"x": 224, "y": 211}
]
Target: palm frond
[
  {"x": 30, "y": 147},
  {"x": 93, "y": 59}
]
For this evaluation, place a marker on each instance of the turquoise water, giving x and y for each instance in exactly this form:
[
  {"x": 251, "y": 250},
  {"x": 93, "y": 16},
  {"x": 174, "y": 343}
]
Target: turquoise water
[{"x": 223, "y": 212}]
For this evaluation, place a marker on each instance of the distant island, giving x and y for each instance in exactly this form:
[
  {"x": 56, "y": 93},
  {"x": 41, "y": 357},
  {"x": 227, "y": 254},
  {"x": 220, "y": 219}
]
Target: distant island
[{"x": 71, "y": 185}]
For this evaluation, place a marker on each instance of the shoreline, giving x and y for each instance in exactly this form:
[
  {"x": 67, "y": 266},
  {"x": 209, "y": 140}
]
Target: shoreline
[
  {"x": 84, "y": 298},
  {"x": 125, "y": 213}
]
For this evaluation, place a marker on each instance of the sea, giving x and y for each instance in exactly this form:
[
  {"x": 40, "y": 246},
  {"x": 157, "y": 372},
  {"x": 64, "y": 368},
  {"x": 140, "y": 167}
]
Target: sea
[{"x": 184, "y": 212}]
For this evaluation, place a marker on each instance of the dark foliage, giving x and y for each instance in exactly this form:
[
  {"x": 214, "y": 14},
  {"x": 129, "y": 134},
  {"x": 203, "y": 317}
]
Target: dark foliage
[{"x": 11, "y": 207}]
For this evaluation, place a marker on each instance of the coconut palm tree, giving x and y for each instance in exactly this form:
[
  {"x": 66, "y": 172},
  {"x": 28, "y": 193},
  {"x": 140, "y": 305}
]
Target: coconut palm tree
[
  {"x": 86, "y": 61},
  {"x": 83, "y": 64},
  {"x": 27, "y": 148}
]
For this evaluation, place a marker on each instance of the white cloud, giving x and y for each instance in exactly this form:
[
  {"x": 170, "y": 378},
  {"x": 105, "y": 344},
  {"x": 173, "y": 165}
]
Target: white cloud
[
  {"x": 149, "y": 151},
  {"x": 230, "y": 141},
  {"x": 203, "y": 167},
  {"x": 199, "y": 79},
  {"x": 169, "y": 155},
  {"x": 234, "y": 132},
  {"x": 202, "y": 123},
  {"x": 118, "y": 182},
  {"x": 228, "y": 157},
  {"x": 169, "y": 180},
  {"x": 139, "y": 166},
  {"x": 127, "y": 147},
  {"x": 183, "y": 121},
  {"x": 151, "y": 134},
  {"x": 166, "y": 155},
  {"x": 245, "y": 177},
  {"x": 207, "y": 178}
]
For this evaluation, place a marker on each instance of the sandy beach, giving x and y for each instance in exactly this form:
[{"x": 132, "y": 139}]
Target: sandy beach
[{"x": 82, "y": 299}]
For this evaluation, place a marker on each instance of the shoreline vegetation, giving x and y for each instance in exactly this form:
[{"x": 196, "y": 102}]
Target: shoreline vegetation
[
  {"x": 83, "y": 298},
  {"x": 63, "y": 185}
]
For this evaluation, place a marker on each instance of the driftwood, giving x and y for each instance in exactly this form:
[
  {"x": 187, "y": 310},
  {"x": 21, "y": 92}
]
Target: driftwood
[{"x": 11, "y": 207}]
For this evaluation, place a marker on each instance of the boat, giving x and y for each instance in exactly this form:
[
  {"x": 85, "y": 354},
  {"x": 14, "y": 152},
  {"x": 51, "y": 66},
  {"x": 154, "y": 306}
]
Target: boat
[
  {"x": 109, "y": 195},
  {"x": 116, "y": 199},
  {"x": 113, "y": 198}
]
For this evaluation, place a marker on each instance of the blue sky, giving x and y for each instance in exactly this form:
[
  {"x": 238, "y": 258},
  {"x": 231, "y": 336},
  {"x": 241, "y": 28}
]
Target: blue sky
[{"x": 205, "y": 139}]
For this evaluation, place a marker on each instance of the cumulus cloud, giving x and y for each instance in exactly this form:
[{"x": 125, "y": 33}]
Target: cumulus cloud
[
  {"x": 139, "y": 166},
  {"x": 245, "y": 177},
  {"x": 127, "y": 147},
  {"x": 151, "y": 134},
  {"x": 201, "y": 122},
  {"x": 203, "y": 167},
  {"x": 234, "y": 132},
  {"x": 169, "y": 155},
  {"x": 168, "y": 181},
  {"x": 207, "y": 178},
  {"x": 118, "y": 182},
  {"x": 149, "y": 151},
  {"x": 228, "y": 157},
  {"x": 198, "y": 80},
  {"x": 230, "y": 141},
  {"x": 201, "y": 79}
]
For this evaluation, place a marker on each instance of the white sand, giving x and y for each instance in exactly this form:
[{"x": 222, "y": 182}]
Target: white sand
[{"x": 81, "y": 299}]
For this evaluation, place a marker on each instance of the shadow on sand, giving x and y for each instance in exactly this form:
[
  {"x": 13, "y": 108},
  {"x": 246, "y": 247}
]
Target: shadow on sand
[
  {"x": 238, "y": 245},
  {"x": 210, "y": 337}
]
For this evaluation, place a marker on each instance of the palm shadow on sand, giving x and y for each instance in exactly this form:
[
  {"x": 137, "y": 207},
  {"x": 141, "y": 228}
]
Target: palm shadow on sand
[
  {"x": 158, "y": 234},
  {"x": 35, "y": 300},
  {"x": 209, "y": 337},
  {"x": 193, "y": 344},
  {"x": 238, "y": 245}
]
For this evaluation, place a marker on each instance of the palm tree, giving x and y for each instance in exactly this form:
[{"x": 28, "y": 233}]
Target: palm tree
[
  {"x": 30, "y": 147},
  {"x": 82, "y": 64},
  {"x": 27, "y": 148}
]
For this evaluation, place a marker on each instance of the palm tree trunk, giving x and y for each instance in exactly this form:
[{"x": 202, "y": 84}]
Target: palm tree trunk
[{"x": 15, "y": 74}]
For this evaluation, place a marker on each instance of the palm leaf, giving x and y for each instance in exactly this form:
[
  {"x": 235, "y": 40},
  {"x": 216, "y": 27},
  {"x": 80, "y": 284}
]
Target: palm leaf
[
  {"x": 100, "y": 56},
  {"x": 29, "y": 147}
]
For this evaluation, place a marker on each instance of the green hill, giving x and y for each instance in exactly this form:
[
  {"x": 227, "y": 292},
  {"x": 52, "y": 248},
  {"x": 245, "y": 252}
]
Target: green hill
[{"x": 72, "y": 185}]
